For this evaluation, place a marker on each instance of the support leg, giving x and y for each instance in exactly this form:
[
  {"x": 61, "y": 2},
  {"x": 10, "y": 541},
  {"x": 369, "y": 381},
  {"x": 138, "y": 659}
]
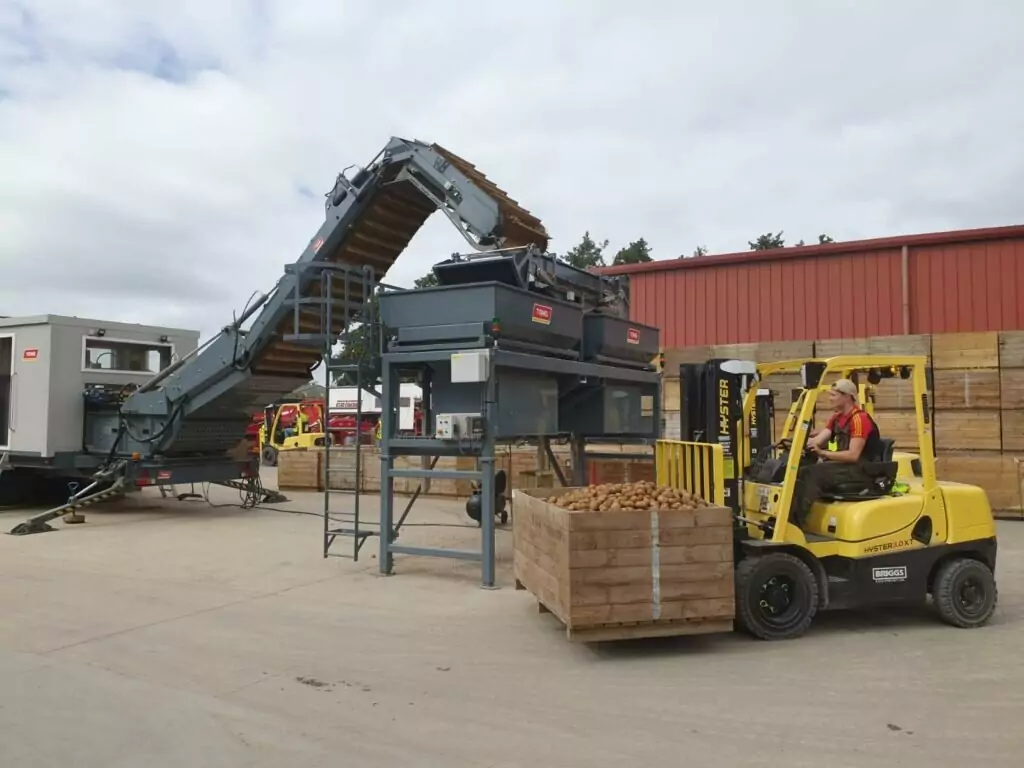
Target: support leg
[{"x": 487, "y": 558}]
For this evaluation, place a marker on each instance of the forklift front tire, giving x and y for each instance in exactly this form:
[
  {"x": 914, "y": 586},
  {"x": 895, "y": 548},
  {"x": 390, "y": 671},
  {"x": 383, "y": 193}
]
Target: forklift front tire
[{"x": 776, "y": 596}]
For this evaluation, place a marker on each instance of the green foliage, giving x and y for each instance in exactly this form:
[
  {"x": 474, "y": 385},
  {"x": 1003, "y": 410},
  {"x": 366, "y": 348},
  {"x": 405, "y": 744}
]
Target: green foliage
[
  {"x": 426, "y": 281},
  {"x": 587, "y": 254},
  {"x": 637, "y": 252},
  {"x": 699, "y": 251},
  {"x": 767, "y": 242},
  {"x": 360, "y": 346}
]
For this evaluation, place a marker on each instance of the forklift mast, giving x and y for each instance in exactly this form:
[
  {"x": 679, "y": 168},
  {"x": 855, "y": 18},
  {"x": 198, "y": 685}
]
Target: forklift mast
[
  {"x": 200, "y": 406},
  {"x": 712, "y": 412}
]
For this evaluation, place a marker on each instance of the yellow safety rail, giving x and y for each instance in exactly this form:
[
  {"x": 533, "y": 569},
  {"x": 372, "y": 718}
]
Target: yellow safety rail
[{"x": 698, "y": 468}]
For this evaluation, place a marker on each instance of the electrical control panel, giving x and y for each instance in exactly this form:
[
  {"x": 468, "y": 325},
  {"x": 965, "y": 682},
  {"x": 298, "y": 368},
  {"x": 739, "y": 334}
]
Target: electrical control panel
[
  {"x": 470, "y": 367},
  {"x": 458, "y": 426}
]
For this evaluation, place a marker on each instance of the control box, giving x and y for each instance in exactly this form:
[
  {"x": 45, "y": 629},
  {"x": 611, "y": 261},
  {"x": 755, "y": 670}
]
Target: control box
[
  {"x": 470, "y": 367},
  {"x": 458, "y": 426}
]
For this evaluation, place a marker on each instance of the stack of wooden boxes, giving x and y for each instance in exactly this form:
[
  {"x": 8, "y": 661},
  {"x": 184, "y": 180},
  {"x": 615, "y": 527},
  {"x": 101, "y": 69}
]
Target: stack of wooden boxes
[{"x": 977, "y": 400}]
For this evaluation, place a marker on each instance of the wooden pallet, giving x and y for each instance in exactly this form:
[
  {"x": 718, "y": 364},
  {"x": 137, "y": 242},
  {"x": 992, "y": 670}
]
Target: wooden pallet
[{"x": 638, "y": 630}]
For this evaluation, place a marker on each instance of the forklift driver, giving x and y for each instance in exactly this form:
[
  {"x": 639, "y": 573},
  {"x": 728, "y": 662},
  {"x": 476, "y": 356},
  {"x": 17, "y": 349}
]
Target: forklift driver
[{"x": 856, "y": 441}]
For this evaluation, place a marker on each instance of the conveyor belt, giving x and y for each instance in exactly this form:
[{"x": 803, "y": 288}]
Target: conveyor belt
[
  {"x": 370, "y": 219},
  {"x": 384, "y": 229}
]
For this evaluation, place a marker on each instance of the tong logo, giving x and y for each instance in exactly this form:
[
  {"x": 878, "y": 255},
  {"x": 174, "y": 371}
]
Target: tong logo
[
  {"x": 542, "y": 314},
  {"x": 633, "y": 336}
]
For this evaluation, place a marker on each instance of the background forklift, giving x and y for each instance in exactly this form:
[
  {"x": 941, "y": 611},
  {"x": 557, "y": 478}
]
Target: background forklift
[
  {"x": 857, "y": 548},
  {"x": 290, "y": 425}
]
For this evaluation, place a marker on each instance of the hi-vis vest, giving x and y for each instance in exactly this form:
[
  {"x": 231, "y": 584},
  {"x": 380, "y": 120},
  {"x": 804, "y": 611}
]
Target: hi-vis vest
[{"x": 840, "y": 438}]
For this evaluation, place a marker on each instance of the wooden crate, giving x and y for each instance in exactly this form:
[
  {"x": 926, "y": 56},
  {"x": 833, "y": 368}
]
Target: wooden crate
[
  {"x": 782, "y": 386},
  {"x": 996, "y": 473},
  {"x": 894, "y": 394},
  {"x": 900, "y": 426},
  {"x": 774, "y": 351},
  {"x": 1011, "y": 388},
  {"x": 676, "y": 357},
  {"x": 746, "y": 351},
  {"x": 971, "y": 430},
  {"x": 627, "y": 574},
  {"x": 298, "y": 470},
  {"x": 1013, "y": 431},
  {"x": 339, "y": 473},
  {"x": 671, "y": 394},
  {"x": 836, "y": 347},
  {"x": 965, "y": 350},
  {"x": 959, "y": 389},
  {"x": 1011, "y": 349},
  {"x": 903, "y": 346},
  {"x": 671, "y": 425}
]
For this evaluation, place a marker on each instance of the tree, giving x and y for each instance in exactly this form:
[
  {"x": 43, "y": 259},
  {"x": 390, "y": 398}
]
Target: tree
[
  {"x": 637, "y": 252},
  {"x": 426, "y": 281},
  {"x": 359, "y": 345},
  {"x": 824, "y": 239},
  {"x": 767, "y": 242},
  {"x": 700, "y": 250},
  {"x": 587, "y": 254}
]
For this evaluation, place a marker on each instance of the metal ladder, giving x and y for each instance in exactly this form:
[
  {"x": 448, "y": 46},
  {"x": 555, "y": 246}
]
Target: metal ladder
[{"x": 359, "y": 327}]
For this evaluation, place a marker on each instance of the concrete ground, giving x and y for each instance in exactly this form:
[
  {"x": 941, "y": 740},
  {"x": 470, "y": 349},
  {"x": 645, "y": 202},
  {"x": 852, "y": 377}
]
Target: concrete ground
[{"x": 176, "y": 634}]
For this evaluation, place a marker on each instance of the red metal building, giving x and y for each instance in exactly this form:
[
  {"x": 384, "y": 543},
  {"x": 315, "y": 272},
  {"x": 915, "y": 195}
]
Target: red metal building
[{"x": 945, "y": 282}]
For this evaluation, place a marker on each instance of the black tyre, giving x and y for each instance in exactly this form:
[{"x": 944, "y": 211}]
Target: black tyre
[
  {"x": 776, "y": 596},
  {"x": 965, "y": 593},
  {"x": 269, "y": 456}
]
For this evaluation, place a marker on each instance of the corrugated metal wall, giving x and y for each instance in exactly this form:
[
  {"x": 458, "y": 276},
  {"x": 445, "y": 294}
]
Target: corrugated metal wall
[{"x": 954, "y": 282}]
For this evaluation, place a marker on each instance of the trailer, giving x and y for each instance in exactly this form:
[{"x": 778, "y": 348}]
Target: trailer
[
  {"x": 55, "y": 369},
  {"x": 410, "y": 402}
]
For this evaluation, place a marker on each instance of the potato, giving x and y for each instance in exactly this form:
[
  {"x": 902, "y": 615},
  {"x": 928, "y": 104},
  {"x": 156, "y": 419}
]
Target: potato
[{"x": 616, "y": 497}]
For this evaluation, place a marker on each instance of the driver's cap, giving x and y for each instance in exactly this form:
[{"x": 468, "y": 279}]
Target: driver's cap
[{"x": 847, "y": 387}]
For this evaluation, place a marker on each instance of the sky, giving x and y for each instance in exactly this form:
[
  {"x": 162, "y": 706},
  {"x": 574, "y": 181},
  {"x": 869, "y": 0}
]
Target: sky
[{"x": 160, "y": 161}]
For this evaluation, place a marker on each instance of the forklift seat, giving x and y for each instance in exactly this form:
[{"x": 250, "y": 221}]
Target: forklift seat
[{"x": 884, "y": 476}]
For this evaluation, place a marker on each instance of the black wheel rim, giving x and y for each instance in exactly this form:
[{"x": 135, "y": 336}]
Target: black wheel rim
[
  {"x": 778, "y": 600},
  {"x": 970, "y": 596}
]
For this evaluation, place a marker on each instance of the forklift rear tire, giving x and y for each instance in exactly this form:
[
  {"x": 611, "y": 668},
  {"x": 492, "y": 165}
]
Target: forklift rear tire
[
  {"x": 776, "y": 596},
  {"x": 965, "y": 593},
  {"x": 269, "y": 456}
]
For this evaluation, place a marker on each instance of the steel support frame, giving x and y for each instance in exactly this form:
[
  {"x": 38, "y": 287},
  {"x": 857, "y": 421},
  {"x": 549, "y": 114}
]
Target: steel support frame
[{"x": 392, "y": 446}]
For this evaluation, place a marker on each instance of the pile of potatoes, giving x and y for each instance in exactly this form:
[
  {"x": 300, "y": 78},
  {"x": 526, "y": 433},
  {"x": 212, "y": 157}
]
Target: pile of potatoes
[{"x": 615, "y": 497}]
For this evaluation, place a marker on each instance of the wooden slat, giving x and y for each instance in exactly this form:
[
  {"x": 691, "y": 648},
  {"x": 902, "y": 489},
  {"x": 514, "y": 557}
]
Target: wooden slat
[
  {"x": 671, "y": 394},
  {"x": 676, "y": 357},
  {"x": 1013, "y": 432},
  {"x": 997, "y": 474},
  {"x": 958, "y": 389},
  {"x": 837, "y": 347},
  {"x": 900, "y": 426},
  {"x": 969, "y": 430},
  {"x": 965, "y": 350},
  {"x": 774, "y": 351},
  {"x": 1011, "y": 349},
  {"x": 1011, "y": 388}
]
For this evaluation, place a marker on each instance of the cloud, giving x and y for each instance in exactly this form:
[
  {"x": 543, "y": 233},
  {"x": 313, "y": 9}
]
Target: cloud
[{"x": 159, "y": 161}]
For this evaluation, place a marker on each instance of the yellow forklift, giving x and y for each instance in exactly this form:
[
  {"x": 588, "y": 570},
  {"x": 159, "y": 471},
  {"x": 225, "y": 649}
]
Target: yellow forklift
[
  {"x": 896, "y": 543},
  {"x": 289, "y": 426}
]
